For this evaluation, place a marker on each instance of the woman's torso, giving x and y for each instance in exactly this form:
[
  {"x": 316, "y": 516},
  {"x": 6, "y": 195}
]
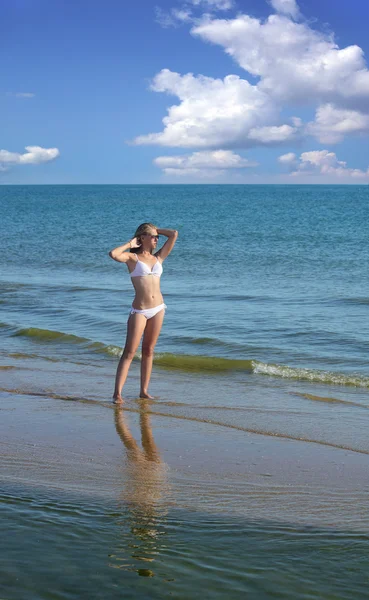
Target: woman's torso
[{"x": 146, "y": 282}]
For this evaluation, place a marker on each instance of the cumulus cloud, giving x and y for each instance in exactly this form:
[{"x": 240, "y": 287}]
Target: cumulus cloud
[
  {"x": 34, "y": 155},
  {"x": 332, "y": 124},
  {"x": 204, "y": 163},
  {"x": 287, "y": 159},
  {"x": 294, "y": 62},
  {"x": 274, "y": 134},
  {"x": 321, "y": 162},
  {"x": 286, "y": 7},
  {"x": 227, "y": 112}
]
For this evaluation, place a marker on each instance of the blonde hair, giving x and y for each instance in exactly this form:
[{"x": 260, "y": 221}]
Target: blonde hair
[{"x": 141, "y": 229}]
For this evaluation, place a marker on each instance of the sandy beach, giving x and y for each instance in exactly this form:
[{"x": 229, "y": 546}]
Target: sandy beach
[
  {"x": 164, "y": 474},
  {"x": 75, "y": 445},
  {"x": 52, "y": 437}
]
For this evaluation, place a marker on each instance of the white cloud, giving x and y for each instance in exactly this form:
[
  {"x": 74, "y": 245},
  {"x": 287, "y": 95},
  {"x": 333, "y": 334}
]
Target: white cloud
[
  {"x": 332, "y": 124},
  {"x": 173, "y": 17},
  {"x": 214, "y": 4},
  {"x": 297, "y": 122},
  {"x": 21, "y": 94},
  {"x": 273, "y": 134},
  {"x": 227, "y": 112},
  {"x": 295, "y": 63},
  {"x": 287, "y": 159},
  {"x": 203, "y": 164},
  {"x": 286, "y": 7},
  {"x": 182, "y": 15},
  {"x": 194, "y": 173},
  {"x": 35, "y": 155},
  {"x": 322, "y": 162},
  {"x": 25, "y": 95}
]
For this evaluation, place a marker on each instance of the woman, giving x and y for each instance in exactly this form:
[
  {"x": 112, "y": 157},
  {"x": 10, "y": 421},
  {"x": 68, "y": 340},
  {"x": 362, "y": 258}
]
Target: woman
[{"x": 147, "y": 313}]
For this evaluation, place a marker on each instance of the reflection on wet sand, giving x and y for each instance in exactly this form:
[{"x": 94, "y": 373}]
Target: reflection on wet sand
[{"x": 143, "y": 496}]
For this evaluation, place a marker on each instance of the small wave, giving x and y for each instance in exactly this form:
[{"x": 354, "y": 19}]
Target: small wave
[
  {"x": 50, "y": 336},
  {"x": 110, "y": 349},
  {"x": 329, "y": 400},
  {"x": 47, "y": 335},
  {"x": 209, "y": 341},
  {"x": 200, "y": 363},
  {"x": 184, "y": 362},
  {"x": 360, "y": 300},
  {"x": 188, "y": 362},
  {"x": 203, "y": 340},
  {"x": 311, "y": 375},
  {"x": 24, "y": 355},
  {"x": 85, "y": 288},
  {"x": 216, "y": 342}
]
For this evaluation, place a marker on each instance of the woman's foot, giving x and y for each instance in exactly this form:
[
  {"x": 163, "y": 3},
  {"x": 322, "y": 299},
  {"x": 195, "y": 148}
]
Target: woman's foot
[
  {"x": 117, "y": 399},
  {"x": 146, "y": 396}
]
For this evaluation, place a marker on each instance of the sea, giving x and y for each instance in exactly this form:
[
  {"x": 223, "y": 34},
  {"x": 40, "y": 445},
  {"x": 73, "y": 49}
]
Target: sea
[{"x": 266, "y": 333}]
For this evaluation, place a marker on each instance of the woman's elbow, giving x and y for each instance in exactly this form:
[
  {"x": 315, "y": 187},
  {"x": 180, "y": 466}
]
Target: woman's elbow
[
  {"x": 175, "y": 233},
  {"x": 111, "y": 254}
]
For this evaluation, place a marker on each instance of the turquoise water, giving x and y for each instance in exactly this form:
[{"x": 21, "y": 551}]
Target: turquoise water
[
  {"x": 266, "y": 332},
  {"x": 274, "y": 274}
]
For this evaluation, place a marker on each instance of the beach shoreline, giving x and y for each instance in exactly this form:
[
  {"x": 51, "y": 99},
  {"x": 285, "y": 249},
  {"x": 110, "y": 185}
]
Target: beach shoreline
[
  {"x": 156, "y": 497},
  {"x": 100, "y": 449}
]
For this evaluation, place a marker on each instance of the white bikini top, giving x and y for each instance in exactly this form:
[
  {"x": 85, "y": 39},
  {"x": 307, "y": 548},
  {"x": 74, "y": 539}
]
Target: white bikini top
[{"x": 142, "y": 269}]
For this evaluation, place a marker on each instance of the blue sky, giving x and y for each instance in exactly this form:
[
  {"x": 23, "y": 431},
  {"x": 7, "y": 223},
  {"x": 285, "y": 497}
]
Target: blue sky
[{"x": 279, "y": 91}]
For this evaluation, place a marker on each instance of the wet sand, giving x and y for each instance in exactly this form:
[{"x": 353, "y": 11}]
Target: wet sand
[
  {"x": 135, "y": 455},
  {"x": 176, "y": 497}
]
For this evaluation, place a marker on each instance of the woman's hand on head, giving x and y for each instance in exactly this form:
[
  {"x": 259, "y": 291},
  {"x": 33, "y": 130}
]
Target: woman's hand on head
[{"x": 134, "y": 243}]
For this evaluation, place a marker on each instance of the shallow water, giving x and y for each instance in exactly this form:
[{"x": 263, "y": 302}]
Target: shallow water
[{"x": 100, "y": 551}]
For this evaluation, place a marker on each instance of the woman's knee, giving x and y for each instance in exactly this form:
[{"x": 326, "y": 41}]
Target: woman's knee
[
  {"x": 128, "y": 354},
  {"x": 148, "y": 350}
]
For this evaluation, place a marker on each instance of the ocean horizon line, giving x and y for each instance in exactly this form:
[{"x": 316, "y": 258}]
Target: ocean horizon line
[{"x": 363, "y": 184}]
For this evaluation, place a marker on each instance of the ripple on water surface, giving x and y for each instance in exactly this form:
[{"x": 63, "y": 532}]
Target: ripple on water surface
[{"x": 154, "y": 553}]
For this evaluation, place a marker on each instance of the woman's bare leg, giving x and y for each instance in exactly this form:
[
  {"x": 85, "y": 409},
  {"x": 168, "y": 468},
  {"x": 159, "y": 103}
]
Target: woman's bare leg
[
  {"x": 135, "y": 327},
  {"x": 151, "y": 334}
]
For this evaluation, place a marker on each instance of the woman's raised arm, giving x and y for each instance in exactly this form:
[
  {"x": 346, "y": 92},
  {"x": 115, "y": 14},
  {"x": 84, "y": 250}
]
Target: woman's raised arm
[
  {"x": 172, "y": 235},
  {"x": 120, "y": 253}
]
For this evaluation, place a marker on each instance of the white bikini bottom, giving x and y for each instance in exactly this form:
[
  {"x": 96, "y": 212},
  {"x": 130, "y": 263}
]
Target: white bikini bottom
[{"x": 149, "y": 313}]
